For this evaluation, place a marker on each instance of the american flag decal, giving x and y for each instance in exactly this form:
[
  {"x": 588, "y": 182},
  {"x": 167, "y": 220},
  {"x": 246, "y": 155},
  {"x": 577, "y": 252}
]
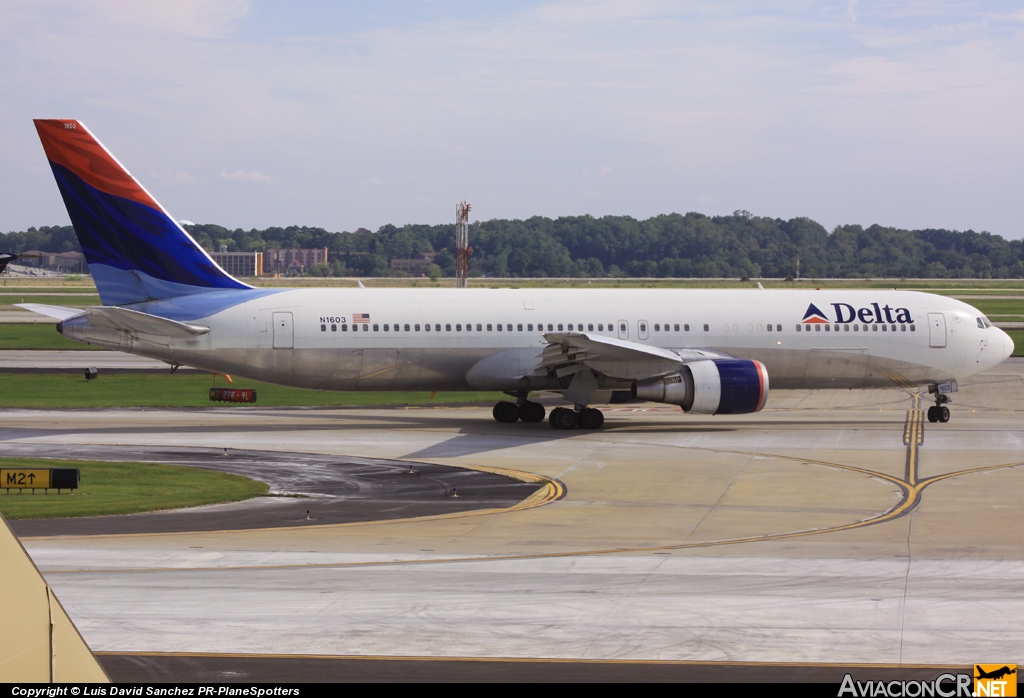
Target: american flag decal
[{"x": 360, "y": 317}]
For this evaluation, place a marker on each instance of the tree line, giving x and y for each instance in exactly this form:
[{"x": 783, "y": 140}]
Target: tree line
[{"x": 670, "y": 245}]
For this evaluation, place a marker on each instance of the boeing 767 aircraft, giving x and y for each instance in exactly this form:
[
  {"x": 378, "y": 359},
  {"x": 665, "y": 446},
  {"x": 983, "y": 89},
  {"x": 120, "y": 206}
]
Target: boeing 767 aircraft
[{"x": 707, "y": 351}]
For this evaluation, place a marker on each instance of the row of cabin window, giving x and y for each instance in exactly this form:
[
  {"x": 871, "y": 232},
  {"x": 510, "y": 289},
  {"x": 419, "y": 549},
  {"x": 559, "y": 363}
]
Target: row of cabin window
[
  {"x": 856, "y": 328},
  {"x": 519, "y": 327},
  {"x": 480, "y": 327},
  {"x": 529, "y": 328}
]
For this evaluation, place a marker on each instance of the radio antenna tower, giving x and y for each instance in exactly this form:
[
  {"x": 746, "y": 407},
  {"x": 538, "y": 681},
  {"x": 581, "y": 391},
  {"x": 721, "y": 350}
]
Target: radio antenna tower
[{"x": 462, "y": 248}]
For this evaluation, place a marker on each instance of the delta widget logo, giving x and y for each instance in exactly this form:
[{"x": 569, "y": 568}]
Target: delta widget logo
[{"x": 814, "y": 316}]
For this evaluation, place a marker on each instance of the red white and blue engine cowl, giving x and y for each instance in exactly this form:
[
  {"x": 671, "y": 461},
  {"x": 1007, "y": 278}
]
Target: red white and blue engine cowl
[{"x": 714, "y": 386}]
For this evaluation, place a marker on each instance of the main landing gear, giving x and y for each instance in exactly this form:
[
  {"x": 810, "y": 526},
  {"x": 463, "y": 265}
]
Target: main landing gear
[
  {"x": 508, "y": 412},
  {"x": 939, "y": 412},
  {"x": 585, "y": 418},
  {"x": 560, "y": 418}
]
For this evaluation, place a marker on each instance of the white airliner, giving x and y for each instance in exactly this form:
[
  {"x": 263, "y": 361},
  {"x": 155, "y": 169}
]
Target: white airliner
[{"x": 707, "y": 351}]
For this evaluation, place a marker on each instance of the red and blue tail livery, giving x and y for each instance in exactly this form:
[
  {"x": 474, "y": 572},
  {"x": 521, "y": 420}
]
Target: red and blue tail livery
[{"x": 135, "y": 250}]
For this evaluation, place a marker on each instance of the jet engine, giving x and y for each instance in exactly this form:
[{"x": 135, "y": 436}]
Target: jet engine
[{"x": 714, "y": 386}]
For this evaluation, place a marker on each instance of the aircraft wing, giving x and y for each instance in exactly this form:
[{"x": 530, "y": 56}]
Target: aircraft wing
[
  {"x": 570, "y": 352},
  {"x": 134, "y": 321},
  {"x": 58, "y": 312}
]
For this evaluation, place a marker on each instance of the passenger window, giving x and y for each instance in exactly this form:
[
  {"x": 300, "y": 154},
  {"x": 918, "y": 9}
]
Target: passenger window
[
  {"x": 559, "y": 327},
  {"x": 488, "y": 328},
  {"x": 590, "y": 327},
  {"x": 323, "y": 328},
  {"x": 519, "y": 328},
  {"x": 643, "y": 326},
  {"x": 529, "y": 328},
  {"x": 856, "y": 328},
  {"x": 874, "y": 328},
  {"x": 478, "y": 327},
  {"x": 549, "y": 327},
  {"x": 686, "y": 328},
  {"x": 499, "y": 327},
  {"x": 769, "y": 328},
  {"x": 417, "y": 327},
  {"x": 622, "y": 327},
  {"x": 894, "y": 328},
  {"x": 676, "y": 328},
  {"x": 706, "y": 328},
  {"x": 778, "y": 328},
  {"x": 427, "y": 327},
  {"x": 344, "y": 328},
  {"x": 817, "y": 328},
  {"x": 437, "y": 327},
  {"x": 376, "y": 328},
  {"x": 913, "y": 329},
  {"x": 385, "y": 328},
  {"x": 828, "y": 328},
  {"x": 448, "y": 328},
  {"x": 334, "y": 328},
  {"x": 798, "y": 328},
  {"x": 885, "y": 328},
  {"x": 903, "y": 328},
  {"x": 846, "y": 328},
  {"x": 600, "y": 327},
  {"x": 657, "y": 327},
  {"x": 509, "y": 328},
  {"x": 407, "y": 328},
  {"x": 458, "y": 328}
]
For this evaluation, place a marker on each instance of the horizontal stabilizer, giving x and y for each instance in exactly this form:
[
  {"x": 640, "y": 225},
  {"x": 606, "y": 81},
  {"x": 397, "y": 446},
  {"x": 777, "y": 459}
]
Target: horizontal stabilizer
[
  {"x": 144, "y": 323},
  {"x": 58, "y": 312}
]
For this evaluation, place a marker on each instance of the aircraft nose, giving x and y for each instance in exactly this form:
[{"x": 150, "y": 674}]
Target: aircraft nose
[{"x": 1008, "y": 346}]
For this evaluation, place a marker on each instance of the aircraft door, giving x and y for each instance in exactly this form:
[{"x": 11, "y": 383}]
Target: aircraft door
[
  {"x": 642, "y": 329},
  {"x": 936, "y": 330},
  {"x": 284, "y": 336},
  {"x": 623, "y": 329}
]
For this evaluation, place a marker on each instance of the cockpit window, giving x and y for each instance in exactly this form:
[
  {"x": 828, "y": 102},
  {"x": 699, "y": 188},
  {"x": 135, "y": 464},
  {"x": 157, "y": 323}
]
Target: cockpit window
[{"x": 983, "y": 322}]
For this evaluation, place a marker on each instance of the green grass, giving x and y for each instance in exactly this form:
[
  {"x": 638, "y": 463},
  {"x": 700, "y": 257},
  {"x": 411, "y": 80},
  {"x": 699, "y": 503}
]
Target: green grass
[
  {"x": 125, "y": 488},
  {"x": 42, "y": 390},
  {"x": 75, "y": 301},
  {"x": 27, "y": 335},
  {"x": 1000, "y": 307},
  {"x": 1018, "y": 341}
]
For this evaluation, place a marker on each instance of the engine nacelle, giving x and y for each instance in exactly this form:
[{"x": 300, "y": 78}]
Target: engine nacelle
[{"x": 715, "y": 386}]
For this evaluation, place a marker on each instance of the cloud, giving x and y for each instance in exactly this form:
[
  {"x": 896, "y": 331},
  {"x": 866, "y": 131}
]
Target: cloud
[{"x": 240, "y": 176}]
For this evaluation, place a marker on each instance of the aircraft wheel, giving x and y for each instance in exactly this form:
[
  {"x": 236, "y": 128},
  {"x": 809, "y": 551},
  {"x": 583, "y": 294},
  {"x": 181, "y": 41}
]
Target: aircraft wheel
[
  {"x": 562, "y": 418},
  {"x": 532, "y": 412},
  {"x": 591, "y": 418},
  {"x": 933, "y": 413},
  {"x": 506, "y": 412},
  {"x": 943, "y": 413}
]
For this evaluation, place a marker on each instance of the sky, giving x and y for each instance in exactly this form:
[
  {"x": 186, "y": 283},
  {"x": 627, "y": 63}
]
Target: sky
[{"x": 257, "y": 113}]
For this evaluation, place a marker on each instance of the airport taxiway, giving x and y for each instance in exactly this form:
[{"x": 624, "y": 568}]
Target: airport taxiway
[{"x": 831, "y": 527}]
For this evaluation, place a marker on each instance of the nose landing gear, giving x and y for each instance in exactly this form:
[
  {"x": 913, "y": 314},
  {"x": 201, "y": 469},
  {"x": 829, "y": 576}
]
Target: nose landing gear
[{"x": 939, "y": 412}]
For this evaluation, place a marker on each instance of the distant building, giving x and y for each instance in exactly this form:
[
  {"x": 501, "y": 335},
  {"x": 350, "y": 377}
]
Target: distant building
[
  {"x": 292, "y": 261},
  {"x": 240, "y": 263},
  {"x": 67, "y": 262},
  {"x": 414, "y": 266}
]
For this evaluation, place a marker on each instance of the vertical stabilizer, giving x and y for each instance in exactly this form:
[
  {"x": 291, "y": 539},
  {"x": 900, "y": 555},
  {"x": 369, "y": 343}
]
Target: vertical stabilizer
[{"x": 135, "y": 250}]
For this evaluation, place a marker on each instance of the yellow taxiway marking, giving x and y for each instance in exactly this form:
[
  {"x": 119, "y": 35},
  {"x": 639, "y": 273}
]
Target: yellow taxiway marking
[{"x": 553, "y": 490}]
